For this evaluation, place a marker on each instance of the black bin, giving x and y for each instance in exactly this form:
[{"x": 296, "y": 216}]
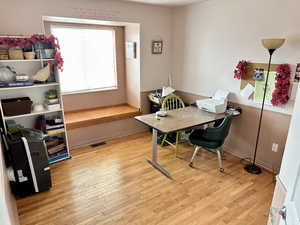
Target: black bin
[{"x": 16, "y": 106}]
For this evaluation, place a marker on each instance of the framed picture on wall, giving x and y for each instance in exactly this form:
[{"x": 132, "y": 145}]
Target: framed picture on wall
[
  {"x": 157, "y": 47},
  {"x": 258, "y": 74},
  {"x": 297, "y": 74}
]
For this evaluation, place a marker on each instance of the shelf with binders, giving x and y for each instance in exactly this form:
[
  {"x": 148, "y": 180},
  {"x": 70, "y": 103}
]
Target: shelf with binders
[
  {"x": 55, "y": 138},
  {"x": 56, "y": 148}
]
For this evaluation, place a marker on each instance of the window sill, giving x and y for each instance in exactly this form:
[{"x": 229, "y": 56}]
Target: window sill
[
  {"x": 89, "y": 91},
  {"x": 90, "y": 117}
]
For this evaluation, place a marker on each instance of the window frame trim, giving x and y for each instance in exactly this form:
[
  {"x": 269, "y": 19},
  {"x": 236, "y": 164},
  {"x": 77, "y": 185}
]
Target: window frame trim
[{"x": 90, "y": 26}]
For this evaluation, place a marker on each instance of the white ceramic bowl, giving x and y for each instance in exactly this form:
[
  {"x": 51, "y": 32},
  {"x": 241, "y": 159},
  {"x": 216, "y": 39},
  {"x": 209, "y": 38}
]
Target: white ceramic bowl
[{"x": 162, "y": 113}]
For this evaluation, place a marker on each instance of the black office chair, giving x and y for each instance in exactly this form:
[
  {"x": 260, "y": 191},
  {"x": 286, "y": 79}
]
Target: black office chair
[{"x": 211, "y": 138}]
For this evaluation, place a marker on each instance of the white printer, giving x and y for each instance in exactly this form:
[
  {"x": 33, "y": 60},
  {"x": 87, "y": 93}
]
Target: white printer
[{"x": 217, "y": 104}]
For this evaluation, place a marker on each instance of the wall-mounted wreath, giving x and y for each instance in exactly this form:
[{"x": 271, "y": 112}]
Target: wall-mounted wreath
[
  {"x": 280, "y": 95},
  {"x": 241, "y": 69}
]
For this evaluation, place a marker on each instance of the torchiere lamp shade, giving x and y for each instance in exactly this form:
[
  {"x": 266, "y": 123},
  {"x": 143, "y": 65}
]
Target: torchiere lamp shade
[{"x": 272, "y": 43}]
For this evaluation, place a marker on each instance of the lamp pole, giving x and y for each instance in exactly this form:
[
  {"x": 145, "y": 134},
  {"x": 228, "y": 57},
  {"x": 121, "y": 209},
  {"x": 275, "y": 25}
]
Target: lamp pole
[{"x": 252, "y": 168}]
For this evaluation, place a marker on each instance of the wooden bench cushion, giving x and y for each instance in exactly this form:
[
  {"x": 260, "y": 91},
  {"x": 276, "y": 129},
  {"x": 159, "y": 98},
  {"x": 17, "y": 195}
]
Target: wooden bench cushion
[{"x": 89, "y": 117}]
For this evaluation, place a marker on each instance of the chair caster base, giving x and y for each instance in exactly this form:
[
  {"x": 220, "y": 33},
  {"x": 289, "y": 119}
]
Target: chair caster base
[
  {"x": 221, "y": 170},
  {"x": 190, "y": 164}
]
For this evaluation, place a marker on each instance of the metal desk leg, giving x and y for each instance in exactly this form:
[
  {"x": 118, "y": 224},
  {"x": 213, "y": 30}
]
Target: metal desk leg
[{"x": 153, "y": 161}]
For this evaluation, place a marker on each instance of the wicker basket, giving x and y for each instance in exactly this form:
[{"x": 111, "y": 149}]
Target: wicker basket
[
  {"x": 3, "y": 57},
  {"x": 29, "y": 55},
  {"x": 3, "y": 54},
  {"x": 15, "y": 54}
]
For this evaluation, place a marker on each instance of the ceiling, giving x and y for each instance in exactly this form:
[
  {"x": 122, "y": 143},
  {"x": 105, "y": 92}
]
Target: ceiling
[{"x": 166, "y": 2}]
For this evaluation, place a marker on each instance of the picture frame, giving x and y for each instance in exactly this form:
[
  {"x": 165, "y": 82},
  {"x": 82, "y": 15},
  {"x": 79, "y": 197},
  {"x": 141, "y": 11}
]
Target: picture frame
[
  {"x": 297, "y": 74},
  {"x": 157, "y": 47},
  {"x": 258, "y": 74}
]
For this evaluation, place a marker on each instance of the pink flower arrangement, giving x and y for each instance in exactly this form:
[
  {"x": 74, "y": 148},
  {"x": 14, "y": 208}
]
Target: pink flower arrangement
[
  {"x": 280, "y": 95},
  {"x": 59, "y": 60},
  {"x": 241, "y": 69},
  {"x": 36, "y": 38},
  {"x": 15, "y": 42}
]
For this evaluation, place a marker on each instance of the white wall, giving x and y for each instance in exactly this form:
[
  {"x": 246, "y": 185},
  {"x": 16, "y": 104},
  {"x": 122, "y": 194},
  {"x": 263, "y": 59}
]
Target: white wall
[
  {"x": 8, "y": 210},
  {"x": 26, "y": 18},
  {"x": 211, "y": 37},
  {"x": 133, "y": 68}
]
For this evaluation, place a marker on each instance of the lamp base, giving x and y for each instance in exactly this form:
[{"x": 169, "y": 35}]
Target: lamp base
[{"x": 252, "y": 168}]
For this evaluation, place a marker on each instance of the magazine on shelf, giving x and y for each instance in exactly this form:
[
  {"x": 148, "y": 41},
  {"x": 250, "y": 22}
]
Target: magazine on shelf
[
  {"x": 53, "y": 127},
  {"x": 62, "y": 152},
  {"x": 57, "y": 148},
  {"x": 55, "y": 131}
]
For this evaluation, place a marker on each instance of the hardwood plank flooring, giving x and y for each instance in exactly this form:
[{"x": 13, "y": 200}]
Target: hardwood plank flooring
[{"x": 114, "y": 185}]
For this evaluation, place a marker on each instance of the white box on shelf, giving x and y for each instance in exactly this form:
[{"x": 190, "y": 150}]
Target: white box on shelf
[{"x": 52, "y": 107}]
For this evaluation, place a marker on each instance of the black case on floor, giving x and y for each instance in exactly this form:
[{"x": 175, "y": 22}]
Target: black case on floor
[{"x": 29, "y": 160}]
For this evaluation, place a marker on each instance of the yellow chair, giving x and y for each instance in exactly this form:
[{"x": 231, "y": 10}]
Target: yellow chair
[{"x": 169, "y": 103}]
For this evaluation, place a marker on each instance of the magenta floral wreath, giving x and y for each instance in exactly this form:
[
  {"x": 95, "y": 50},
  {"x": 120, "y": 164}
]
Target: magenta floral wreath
[
  {"x": 241, "y": 69},
  {"x": 36, "y": 38},
  {"x": 280, "y": 95}
]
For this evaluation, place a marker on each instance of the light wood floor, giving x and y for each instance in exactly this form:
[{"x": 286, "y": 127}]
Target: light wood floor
[{"x": 114, "y": 185}]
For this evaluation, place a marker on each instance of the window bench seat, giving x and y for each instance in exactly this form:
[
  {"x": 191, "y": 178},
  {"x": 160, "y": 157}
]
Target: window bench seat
[{"x": 90, "y": 117}]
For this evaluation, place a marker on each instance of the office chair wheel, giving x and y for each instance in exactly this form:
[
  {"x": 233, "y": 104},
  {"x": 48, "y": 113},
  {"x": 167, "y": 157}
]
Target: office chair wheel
[
  {"x": 190, "y": 164},
  {"x": 221, "y": 170}
]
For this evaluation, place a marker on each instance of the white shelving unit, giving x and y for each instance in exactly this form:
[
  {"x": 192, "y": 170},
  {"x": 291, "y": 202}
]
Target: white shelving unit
[{"x": 36, "y": 93}]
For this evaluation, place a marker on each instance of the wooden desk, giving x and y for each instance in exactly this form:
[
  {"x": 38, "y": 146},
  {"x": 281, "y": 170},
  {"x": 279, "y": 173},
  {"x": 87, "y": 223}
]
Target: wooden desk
[{"x": 179, "y": 119}]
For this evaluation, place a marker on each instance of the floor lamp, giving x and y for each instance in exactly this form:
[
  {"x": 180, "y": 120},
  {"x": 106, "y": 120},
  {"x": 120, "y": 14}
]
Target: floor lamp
[{"x": 271, "y": 45}]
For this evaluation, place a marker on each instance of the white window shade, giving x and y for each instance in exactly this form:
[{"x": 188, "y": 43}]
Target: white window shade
[{"x": 89, "y": 58}]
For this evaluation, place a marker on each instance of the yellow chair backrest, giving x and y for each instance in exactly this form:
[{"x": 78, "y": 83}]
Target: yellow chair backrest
[{"x": 172, "y": 102}]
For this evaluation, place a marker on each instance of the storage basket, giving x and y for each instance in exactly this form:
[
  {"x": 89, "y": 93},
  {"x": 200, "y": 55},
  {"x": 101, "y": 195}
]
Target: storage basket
[
  {"x": 16, "y": 106},
  {"x": 15, "y": 54},
  {"x": 29, "y": 55},
  {"x": 3, "y": 51},
  {"x": 3, "y": 54},
  {"x": 3, "y": 57}
]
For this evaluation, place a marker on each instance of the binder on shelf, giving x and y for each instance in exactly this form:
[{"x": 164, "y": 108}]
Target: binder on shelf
[
  {"x": 54, "y": 127},
  {"x": 55, "y": 131},
  {"x": 56, "y": 149}
]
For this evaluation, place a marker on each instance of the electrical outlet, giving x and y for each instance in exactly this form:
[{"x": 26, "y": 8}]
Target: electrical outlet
[{"x": 274, "y": 147}]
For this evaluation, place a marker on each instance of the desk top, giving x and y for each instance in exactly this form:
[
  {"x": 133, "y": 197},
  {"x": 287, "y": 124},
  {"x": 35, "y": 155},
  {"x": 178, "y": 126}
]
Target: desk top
[{"x": 179, "y": 119}]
